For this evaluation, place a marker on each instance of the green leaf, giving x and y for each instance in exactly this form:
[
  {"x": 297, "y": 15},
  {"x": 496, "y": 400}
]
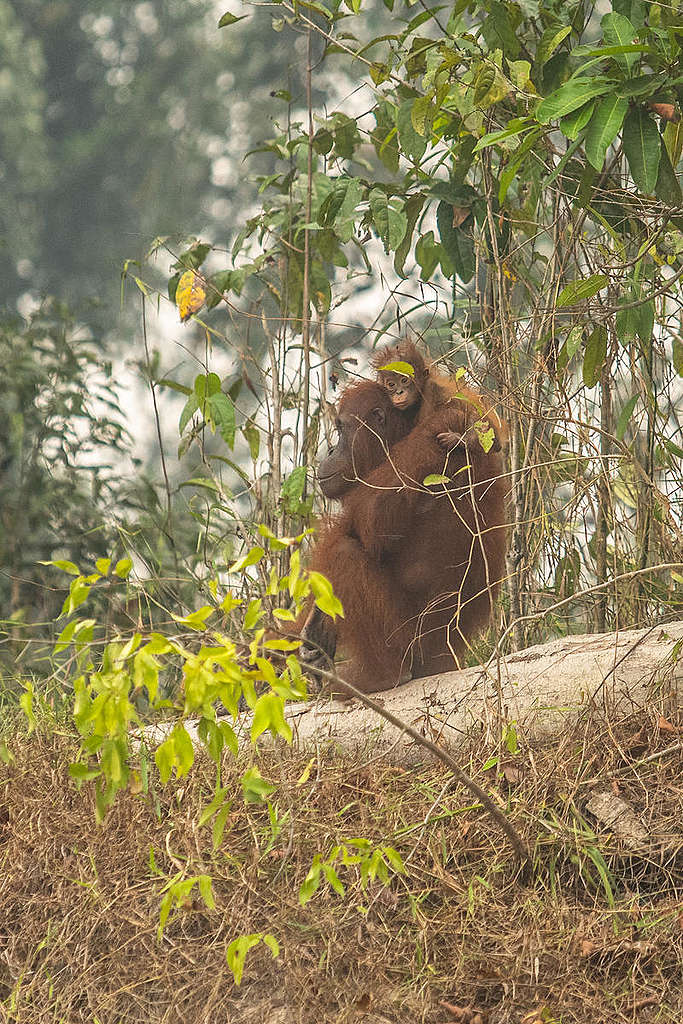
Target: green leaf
[
  {"x": 236, "y": 953},
  {"x": 594, "y": 356},
  {"x": 293, "y": 488},
  {"x": 631, "y": 9},
  {"x": 389, "y": 219},
  {"x": 639, "y": 86},
  {"x": 457, "y": 244},
  {"x": 271, "y": 942},
  {"x": 491, "y": 138},
  {"x": 222, "y": 412},
  {"x": 253, "y": 613},
  {"x": 618, "y": 31},
  {"x": 678, "y": 356},
  {"x": 64, "y": 565},
  {"x": 668, "y": 188},
  {"x": 573, "y": 123},
  {"x": 253, "y": 438},
  {"x": 571, "y": 95},
  {"x": 421, "y": 115},
  {"x": 399, "y": 367},
  {"x": 427, "y": 255},
  {"x": 123, "y": 567},
  {"x": 189, "y": 409},
  {"x": 254, "y": 787},
  {"x": 576, "y": 291},
  {"x": 549, "y": 42},
  {"x": 164, "y": 757},
  {"x": 412, "y": 208},
  {"x": 230, "y": 19},
  {"x": 385, "y": 136},
  {"x": 605, "y": 123},
  {"x": 625, "y": 416},
  {"x": 574, "y": 339},
  {"x": 412, "y": 144},
  {"x": 269, "y": 714},
  {"x": 251, "y": 558},
  {"x": 642, "y": 148},
  {"x": 324, "y": 595}
]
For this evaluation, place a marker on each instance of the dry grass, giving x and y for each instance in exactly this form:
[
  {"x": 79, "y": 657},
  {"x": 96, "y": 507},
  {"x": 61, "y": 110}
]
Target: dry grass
[{"x": 461, "y": 930}]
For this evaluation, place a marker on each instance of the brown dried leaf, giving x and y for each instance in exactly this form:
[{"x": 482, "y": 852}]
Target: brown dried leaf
[
  {"x": 665, "y": 726},
  {"x": 666, "y": 111}
]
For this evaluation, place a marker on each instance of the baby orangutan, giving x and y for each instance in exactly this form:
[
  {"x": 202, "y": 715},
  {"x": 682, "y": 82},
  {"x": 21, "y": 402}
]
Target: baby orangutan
[{"x": 423, "y": 393}]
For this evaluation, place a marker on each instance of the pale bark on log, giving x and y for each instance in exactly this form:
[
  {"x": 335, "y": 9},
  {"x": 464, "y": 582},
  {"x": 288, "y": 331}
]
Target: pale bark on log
[{"x": 542, "y": 690}]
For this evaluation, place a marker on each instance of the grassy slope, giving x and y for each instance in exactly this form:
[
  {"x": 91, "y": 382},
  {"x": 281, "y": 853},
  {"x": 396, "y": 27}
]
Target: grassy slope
[{"x": 79, "y": 904}]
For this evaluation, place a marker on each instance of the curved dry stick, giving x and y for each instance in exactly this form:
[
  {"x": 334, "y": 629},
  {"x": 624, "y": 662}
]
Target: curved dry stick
[{"x": 482, "y": 796}]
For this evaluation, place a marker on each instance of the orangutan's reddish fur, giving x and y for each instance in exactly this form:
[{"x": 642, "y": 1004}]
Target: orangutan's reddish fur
[{"x": 417, "y": 568}]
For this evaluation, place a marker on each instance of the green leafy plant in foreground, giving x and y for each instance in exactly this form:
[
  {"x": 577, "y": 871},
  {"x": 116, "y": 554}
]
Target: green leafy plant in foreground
[{"x": 213, "y": 670}]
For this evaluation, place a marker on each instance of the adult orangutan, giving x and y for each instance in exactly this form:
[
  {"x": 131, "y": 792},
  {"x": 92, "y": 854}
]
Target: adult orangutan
[{"x": 417, "y": 567}]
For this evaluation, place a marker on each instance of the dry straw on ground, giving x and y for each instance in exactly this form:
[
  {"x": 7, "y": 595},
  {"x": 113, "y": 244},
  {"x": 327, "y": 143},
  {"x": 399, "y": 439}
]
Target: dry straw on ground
[{"x": 460, "y": 937}]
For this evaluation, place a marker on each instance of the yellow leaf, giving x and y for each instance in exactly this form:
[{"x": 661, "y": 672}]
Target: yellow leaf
[{"x": 190, "y": 294}]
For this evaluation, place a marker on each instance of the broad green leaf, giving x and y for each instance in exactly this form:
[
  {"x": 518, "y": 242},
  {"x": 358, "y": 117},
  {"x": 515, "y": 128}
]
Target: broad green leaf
[
  {"x": 253, "y": 613},
  {"x": 222, "y": 412},
  {"x": 678, "y": 356},
  {"x": 549, "y": 42},
  {"x": 236, "y": 953},
  {"x": 667, "y": 188},
  {"x": 64, "y": 638},
  {"x": 489, "y": 85},
  {"x": 638, "y": 86},
  {"x": 574, "y": 123},
  {"x": 269, "y": 940},
  {"x": 251, "y": 558},
  {"x": 230, "y": 19},
  {"x": 293, "y": 487},
  {"x": 625, "y": 416},
  {"x": 421, "y": 115},
  {"x": 412, "y": 144},
  {"x": 605, "y": 123},
  {"x": 384, "y": 136},
  {"x": 164, "y": 757},
  {"x": 269, "y": 714},
  {"x": 520, "y": 125},
  {"x": 189, "y": 409},
  {"x": 457, "y": 244},
  {"x": 253, "y": 438},
  {"x": 427, "y": 254},
  {"x": 389, "y": 219},
  {"x": 399, "y": 367},
  {"x": 64, "y": 565},
  {"x": 631, "y": 9},
  {"x": 618, "y": 31},
  {"x": 571, "y": 95},
  {"x": 325, "y": 597},
  {"x": 254, "y": 787},
  {"x": 673, "y": 139},
  {"x": 574, "y": 339},
  {"x": 123, "y": 567},
  {"x": 594, "y": 356},
  {"x": 642, "y": 148},
  {"x": 577, "y": 291},
  {"x": 412, "y": 209}
]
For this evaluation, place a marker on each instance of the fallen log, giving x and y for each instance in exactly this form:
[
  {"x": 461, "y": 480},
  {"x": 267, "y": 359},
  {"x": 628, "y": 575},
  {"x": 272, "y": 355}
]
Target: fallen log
[{"x": 542, "y": 690}]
